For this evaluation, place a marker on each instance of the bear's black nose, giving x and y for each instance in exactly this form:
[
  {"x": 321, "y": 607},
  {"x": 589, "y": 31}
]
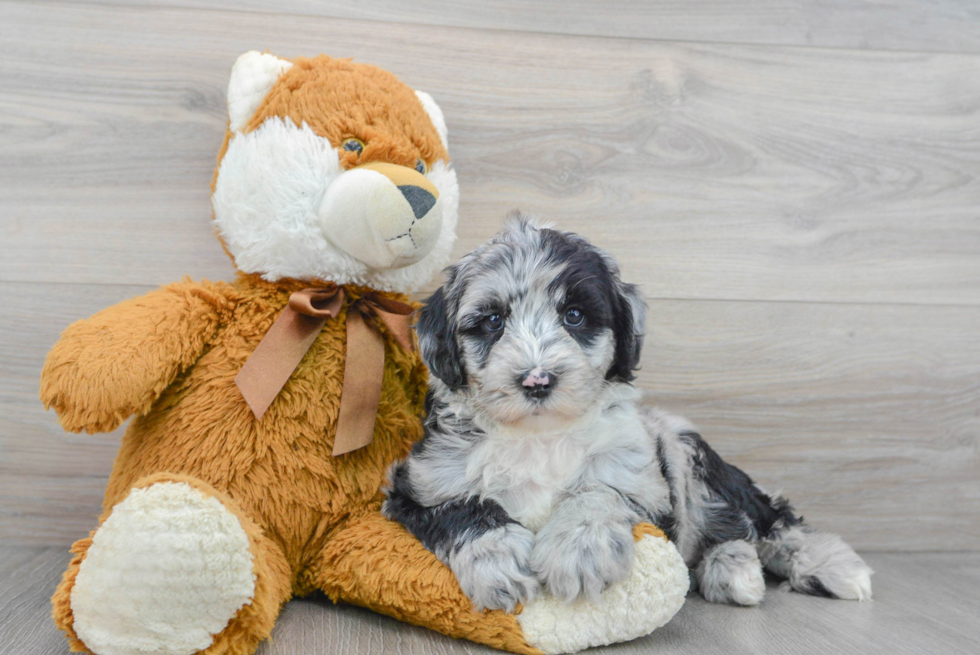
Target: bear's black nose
[{"x": 418, "y": 198}]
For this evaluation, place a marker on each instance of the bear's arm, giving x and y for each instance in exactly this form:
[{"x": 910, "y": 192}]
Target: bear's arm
[{"x": 117, "y": 363}]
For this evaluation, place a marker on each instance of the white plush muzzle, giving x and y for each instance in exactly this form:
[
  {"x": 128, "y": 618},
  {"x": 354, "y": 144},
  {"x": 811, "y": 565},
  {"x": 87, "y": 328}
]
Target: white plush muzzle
[{"x": 383, "y": 215}]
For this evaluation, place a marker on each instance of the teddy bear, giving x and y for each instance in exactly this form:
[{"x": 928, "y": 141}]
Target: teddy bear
[{"x": 266, "y": 412}]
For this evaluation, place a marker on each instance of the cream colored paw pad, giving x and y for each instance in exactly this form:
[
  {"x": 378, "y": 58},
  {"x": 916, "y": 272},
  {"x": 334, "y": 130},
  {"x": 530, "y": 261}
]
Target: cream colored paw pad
[
  {"x": 635, "y": 607},
  {"x": 166, "y": 571}
]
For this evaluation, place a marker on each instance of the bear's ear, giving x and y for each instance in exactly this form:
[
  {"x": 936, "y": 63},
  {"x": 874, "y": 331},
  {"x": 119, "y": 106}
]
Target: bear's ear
[
  {"x": 435, "y": 115},
  {"x": 252, "y": 76}
]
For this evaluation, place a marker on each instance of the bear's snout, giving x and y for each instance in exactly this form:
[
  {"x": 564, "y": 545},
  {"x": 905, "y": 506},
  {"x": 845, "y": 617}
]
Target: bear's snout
[{"x": 384, "y": 215}]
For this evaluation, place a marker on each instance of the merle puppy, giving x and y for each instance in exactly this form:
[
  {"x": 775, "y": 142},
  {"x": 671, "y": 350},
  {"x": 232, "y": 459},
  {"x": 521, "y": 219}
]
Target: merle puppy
[{"x": 537, "y": 459}]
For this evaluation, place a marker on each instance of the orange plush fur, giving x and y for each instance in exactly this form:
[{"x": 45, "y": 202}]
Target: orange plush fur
[{"x": 169, "y": 359}]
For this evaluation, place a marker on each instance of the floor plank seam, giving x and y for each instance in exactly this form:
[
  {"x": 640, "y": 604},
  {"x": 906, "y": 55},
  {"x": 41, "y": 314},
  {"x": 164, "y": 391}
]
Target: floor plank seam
[{"x": 685, "y": 42}]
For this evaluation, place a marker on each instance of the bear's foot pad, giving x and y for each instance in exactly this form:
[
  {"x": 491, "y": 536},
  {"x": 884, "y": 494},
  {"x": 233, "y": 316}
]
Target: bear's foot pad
[
  {"x": 635, "y": 607},
  {"x": 168, "y": 570}
]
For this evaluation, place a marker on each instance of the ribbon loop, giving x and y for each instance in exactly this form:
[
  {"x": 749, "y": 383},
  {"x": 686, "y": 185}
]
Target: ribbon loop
[
  {"x": 395, "y": 314},
  {"x": 321, "y": 303},
  {"x": 292, "y": 334}
]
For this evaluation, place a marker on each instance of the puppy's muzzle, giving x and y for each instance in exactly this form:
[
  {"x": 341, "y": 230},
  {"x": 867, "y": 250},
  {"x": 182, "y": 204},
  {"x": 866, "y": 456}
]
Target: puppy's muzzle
[
  {"x": 384, "y": 215},
  {"x": 538, "y": 383}
]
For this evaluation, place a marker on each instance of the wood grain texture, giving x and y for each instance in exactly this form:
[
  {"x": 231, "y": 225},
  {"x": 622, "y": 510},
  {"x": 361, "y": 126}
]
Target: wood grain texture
[
  {"x": 711, "y": 170},
  {"x": 51, "y": 482},
  {"x": 866, "y": 416},
  {"x": 804, "y": 221},
  {"x": 924, "y": 603},
  {"x": 929, "y": 25}
]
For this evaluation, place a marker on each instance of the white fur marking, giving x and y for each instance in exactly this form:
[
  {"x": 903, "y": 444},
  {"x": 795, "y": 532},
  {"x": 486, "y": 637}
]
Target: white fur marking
[
  {"x": 731, "y": 573},
  {"x": 167, "y": 570}
]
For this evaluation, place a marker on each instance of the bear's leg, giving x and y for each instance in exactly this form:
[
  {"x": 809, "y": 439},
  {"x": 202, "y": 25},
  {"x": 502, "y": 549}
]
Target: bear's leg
[
  {"x": 378, "y": 564},
  {"x": 175, "y": 569}
]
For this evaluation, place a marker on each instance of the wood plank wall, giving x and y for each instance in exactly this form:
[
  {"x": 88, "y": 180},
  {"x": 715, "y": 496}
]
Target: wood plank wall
[{"x": 795, "y": 185}]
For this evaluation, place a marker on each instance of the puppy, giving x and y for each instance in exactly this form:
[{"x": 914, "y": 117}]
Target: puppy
[{"x": 537, "y": 459}]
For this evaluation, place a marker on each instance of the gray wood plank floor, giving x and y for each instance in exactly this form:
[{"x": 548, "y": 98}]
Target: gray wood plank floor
[
  {"x": 805, "y": 222},
  {"x": 712, "y": 171},
  {"x": 794, "y": 183},
  {"x": 936, "y": 25},
  {"x": 924, "y": 603}
]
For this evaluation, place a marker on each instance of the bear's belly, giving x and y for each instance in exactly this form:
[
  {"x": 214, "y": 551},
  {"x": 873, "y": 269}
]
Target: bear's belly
[{"x": 280, "y": 470}]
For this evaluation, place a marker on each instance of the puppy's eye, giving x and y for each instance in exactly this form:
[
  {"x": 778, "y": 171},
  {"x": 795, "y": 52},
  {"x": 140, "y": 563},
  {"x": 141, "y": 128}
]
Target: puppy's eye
[
  {"x": 493, "y": 323},
  {"x": 574, "y": 317},
  {"x": 353, "y": 145},
  {"x": 420, "y": 166}
]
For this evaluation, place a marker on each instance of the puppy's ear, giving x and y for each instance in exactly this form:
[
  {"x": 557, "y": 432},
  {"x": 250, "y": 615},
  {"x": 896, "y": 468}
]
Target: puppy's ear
[
  {"x": 440, "y": 351},
  {"x": 628, "y": 325}
]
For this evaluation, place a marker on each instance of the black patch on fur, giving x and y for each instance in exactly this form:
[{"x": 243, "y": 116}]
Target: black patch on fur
[
  {"x": 666, "y": 521},
  {"x": 585, "y": 281},
  {"x": 479, "y": 338},
  {"x": 812, "y": 585},
  {"x": 742, "y": 499},
  {"x": 725, "y": 523},
  {"x": 437, "y": 340},
  {"x": 592, "y": 286},
  {"x": 629, "y": 343},
  {"x": 445, "y": 527},
  {"x": 436, "y": 416},
  {"x": 433, "y": 411},
  {"x": 665, "y": 471}
]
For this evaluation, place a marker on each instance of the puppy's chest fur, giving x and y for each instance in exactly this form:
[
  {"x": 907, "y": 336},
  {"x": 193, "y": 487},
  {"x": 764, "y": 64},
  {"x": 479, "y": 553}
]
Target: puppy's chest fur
[
  {"x": 526, "y": 473},
  {"x": 529, "y": 470}
]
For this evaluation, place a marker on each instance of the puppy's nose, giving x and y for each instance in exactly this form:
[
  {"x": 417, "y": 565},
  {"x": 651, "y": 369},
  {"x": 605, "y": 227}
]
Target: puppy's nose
[
  {"x": 420, "y": 200},
  {"x": 538, "y": 383}
]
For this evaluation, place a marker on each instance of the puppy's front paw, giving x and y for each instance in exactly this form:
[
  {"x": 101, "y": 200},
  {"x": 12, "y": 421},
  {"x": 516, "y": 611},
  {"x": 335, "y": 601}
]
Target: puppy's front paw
[
  {"x": 493, "y": 569},
  {"x": 582, "y": 559}
]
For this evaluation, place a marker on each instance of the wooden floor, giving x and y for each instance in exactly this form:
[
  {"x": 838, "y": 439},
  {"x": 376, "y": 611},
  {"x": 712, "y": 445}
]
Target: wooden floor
[
  {"x": 795, "y": 185},
  {"x": 924, "y": 603}
]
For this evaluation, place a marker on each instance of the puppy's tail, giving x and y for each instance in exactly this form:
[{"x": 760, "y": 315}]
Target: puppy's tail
[{"x": 816, "y": 563}]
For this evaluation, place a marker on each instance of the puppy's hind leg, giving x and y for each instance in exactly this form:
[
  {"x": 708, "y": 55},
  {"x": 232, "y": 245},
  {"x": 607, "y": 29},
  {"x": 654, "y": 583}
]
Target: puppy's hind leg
[
  {"x": 816, "y": 563},
  {"x": 730, "y": 572}
]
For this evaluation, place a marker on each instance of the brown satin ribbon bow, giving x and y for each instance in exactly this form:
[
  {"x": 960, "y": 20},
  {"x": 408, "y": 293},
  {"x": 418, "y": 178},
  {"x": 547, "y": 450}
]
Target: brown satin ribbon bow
[{"x": 294, "y": 331}]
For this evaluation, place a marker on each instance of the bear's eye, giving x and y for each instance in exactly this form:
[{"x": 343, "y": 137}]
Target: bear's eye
[
  {"x": 420, "y": 166},
  {"x": 353, "y": 145},
  {"x": 574, "y": 317}
]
